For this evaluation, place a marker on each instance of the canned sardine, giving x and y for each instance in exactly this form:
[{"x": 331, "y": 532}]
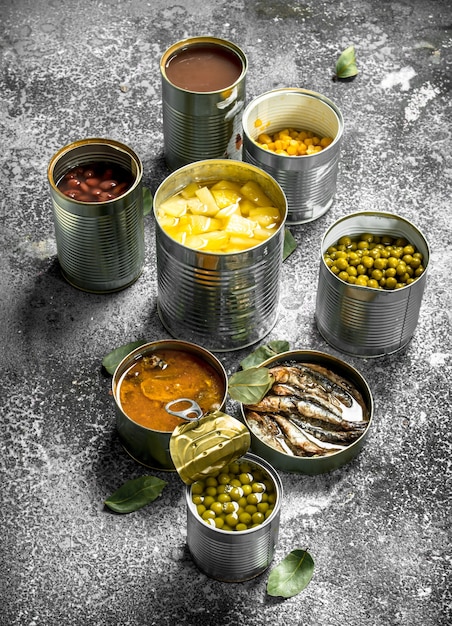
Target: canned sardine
[
  {"x": 361, "y": 320},
  {"x": 98, "y": 214}
]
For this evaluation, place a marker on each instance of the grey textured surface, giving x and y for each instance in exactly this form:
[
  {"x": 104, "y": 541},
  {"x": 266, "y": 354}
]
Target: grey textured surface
[{"x": 379, "y": 528}]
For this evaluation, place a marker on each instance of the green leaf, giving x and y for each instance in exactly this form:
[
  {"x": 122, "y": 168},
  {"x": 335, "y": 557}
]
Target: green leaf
[
  {"x": 114, "y": 358},
  {"x": 147, "y": 201},
  {"x": 135, "y": 493},
  {"x": 346, "y": 64},
  {"x": 292, "y": 575},
  {"x": 263, "y": 353},
  {"x": 250, "y": 386},
  {"x": 289, "y": 244}
]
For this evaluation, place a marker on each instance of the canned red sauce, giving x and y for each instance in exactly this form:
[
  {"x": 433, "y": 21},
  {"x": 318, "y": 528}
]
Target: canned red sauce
[{"x": 95, "y": 182}]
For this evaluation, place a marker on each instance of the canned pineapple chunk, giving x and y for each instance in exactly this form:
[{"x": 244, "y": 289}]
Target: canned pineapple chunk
[{"x": 222, "y": 217}]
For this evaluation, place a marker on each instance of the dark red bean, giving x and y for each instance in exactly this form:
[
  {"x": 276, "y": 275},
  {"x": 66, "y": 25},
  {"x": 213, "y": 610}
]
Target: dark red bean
[
  {"x": 93, "y": 181},
  {"x": 73, "y": 183},
  {"x": 89, "y": 173},
  {"x": 86, "y": 197},
  {"x": 108, "y": 184},
  {"x": 120, "y": 189},
  {"x": 84, "y": 187},
  {"x": 97, "y": 191},
  {"x": 107, "y": 174},
  {"x": 72, "y": 193},
  {"x": 105, "y": 195}
]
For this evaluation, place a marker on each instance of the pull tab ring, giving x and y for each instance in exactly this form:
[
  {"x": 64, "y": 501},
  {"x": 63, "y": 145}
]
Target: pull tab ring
[{"x": 192, "y": 413}]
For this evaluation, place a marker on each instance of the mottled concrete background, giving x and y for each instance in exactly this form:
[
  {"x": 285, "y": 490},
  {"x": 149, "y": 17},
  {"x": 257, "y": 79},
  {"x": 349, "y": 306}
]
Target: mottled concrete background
[{"x": 378, "y": 529}]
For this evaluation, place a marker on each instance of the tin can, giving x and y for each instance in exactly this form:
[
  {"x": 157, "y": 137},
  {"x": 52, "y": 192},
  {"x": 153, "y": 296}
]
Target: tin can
[
  {"x": 317, "y": 464},
  {"x": 235, "y": 556},
  {"x": 100, "y": 245},
  {"x": 145, "y": 445},
  {"x": 364, "y": 321},
  {"x": 308, "y": 181},
  {"x": 220, "y": 301},
  {"x": 203, "y": 124}
]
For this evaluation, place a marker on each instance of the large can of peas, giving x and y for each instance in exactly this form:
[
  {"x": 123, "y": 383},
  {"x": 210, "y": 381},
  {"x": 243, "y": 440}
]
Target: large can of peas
[
  {"x": 233, "y": 498},
  {"x": 97, "y": 203},
  {"x": 203, "y": 96},
  {"x": 295, "y": 135},
  {"x": 373, "y": 271}
]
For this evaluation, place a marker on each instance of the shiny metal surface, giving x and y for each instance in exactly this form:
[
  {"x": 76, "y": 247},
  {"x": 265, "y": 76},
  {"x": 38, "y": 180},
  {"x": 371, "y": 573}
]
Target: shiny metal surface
[
  {"x": 201, "y": 125},
  {"x": 234, "y": 556},
  {"x": 220, "y": 301},
  {"x": 321, "y": 464},
  {"x": 100, "y": 244},
  {"x": 147, "y": 446},
  {"x": 309, "y": 182},
  {"x": 359, "y": 320}
]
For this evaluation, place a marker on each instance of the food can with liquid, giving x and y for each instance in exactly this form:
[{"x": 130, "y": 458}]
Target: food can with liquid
[
  {"x": 100, "y": 244},
  {"x": 308, "y": 181},
  {"x": 222, "y": 301},
  {"x": 146, "y": 445},
  {"x": 203, "y": 96},
  {"x": 364, "y": 321}
]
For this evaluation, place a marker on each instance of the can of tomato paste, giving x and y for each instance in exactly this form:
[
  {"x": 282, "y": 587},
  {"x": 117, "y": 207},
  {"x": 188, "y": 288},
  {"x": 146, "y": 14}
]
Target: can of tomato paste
[
  {"x": 203, "y": 95},
  {"x": 309, "y": 177},
  {"x": 220, "y": 300},
  {"x": 97, "y": 203},
  {"x": 363, "y": 320}
]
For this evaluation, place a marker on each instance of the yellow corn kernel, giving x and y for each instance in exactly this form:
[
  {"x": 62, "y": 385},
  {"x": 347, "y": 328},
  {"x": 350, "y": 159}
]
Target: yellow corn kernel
[
  {"x": 264, "y": 138},
  {"x": 258, "y": 123},
  {"x": 326, "y": 141}
]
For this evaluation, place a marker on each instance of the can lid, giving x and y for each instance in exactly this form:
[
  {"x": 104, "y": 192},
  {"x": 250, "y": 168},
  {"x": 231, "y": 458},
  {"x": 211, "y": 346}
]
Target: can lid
[{"x": 204, "y": 446}]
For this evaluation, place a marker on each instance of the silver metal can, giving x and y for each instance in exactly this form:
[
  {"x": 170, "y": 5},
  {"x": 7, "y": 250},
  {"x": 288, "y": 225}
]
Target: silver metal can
[
  {"x": 309, "y": 181},
  {"x": 364, "y": 321},
  {"x": 235, "y": 556},
  {"x": 203, "y": 124},
  {"x": 100, "y": 245},
  {"x": 220, "y": 301}
]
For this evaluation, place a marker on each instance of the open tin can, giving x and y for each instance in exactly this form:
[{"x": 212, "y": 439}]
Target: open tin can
[
  {"x": 364, "y": 321},
  {"x": 203, "y": 95},
  {"x": 222, "y": 301},
  {"x": 309, "y": 181},
  {"x": 204, "y": 450},
  {"x": 100, "y": 244}
]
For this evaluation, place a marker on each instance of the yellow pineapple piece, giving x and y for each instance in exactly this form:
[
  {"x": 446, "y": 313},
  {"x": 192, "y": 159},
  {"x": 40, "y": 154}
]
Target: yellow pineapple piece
[
  {"x": 225, "y": 197},
  {"x": 173, "y": 207},
  {"x": 226, "y": 184},
  {"x": 228, "y": 211},
  {"x": 216, "y": 240},
  {"x": 196, "y": 207},
  {"x": 245, "y": 206},
  {"x": 255, "y": 193},
  {"x": 264, "y": 233},
  {"x": 240, "y": 225},
  {"x": 205, "y": 195},
  {"x": 203, "y": 224},
  {"x": 265, "y": 215},
  {"x": 190, "y": 190},
  {"x": 241, "y": 242}
]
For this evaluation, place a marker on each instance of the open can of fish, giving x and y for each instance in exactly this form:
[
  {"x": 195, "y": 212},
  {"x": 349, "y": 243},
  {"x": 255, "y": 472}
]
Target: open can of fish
[
  {"x": 222, "y": 301},
  {"x": 316, "y": 416},
  {"x": 365, "y": 321},
  {"x": 203, "y": 95},
  {"x": 100, "y": 243},
  {"x": 309, "y": 181}
]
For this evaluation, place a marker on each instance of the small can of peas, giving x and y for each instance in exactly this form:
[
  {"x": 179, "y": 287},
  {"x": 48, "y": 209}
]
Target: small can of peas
[
  {"x": 372, "y": 275},
  {"x": 233, "y": 498}
]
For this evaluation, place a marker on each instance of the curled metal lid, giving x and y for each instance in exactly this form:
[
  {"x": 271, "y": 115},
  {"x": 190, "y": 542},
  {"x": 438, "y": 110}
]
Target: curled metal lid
[{"x": 201, "y": 447}]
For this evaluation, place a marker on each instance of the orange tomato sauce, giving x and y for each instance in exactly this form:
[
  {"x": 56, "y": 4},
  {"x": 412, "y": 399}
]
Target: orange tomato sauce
[{"x": 145, "y": 388}]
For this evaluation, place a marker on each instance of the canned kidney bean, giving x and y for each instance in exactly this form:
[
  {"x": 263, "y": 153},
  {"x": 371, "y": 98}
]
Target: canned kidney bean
[{"x": 95, "y": 182}]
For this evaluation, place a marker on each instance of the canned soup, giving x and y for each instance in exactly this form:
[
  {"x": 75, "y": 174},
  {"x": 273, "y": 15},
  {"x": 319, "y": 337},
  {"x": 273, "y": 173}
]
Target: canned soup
[{"x": 161, "y": 377}]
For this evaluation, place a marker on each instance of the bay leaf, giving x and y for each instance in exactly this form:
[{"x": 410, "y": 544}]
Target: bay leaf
[
  {"x": 147, "y": 201},
  {"x": 265, "y": 352},
  {"x": 289, "y": 244},
  {"x": 292, "y": 575},
  {"x": 114, "y": 358},
  {"x": 135, "y": 494},
  {"x": 250, "y": 386},
  {"x": 346, "y": 64}
]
